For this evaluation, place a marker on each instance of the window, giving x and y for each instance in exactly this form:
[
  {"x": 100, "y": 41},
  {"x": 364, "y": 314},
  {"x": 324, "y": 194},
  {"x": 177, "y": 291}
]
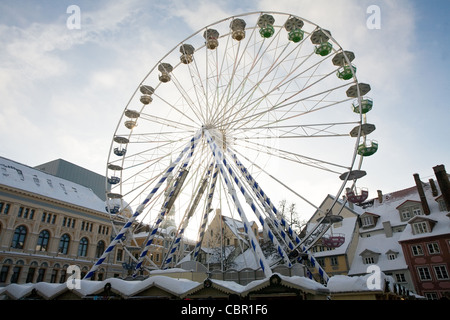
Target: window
[
  {"x": 19, "y": 237},
  {"x": 417, "y": 250},
  {"x": 119, "y": 256},
  {"x": 82, "y": 248},
  {"x": 367, "y": 221},
  {"x": 30, "y": 275},
  {"x": 400, "y": 277},
  {"x": 424, "y": 273},
  {"x": 392, "y": 256},
  {"x": 417, "y": 211},
  {"x": 100, "y": 249},
  {"x": 4, "y": 207},
  {"x": 26, "y": 213},
  {"x": 16, "y": 274},
  {"x": 433, "y": 248},
  {"x": 334, "y": 261},
  {"x": 4, "y": 273},
  {"x": 420, "y": 227},
  {"x": 42, "y": 243},
  {"x": 64, "y": 244},
  {"x": 369, "y": 260},
  {"x": 405, "y": 214},
  {"x": 441, "y": 272},
  {"x": 41, "y": 273},
  {"x": 431, "y": 295},
  {"x": 321, "y": 262}
]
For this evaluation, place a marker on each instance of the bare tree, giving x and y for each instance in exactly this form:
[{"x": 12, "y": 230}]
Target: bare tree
[{"x": 289, "y": 213}]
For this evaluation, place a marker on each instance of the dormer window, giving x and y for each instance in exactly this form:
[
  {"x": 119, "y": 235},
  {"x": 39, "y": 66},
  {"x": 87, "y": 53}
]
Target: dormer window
[
  {"x": 421, "y": 224},
  {"x": 420, "y": 227},
  {"x": 410, "y": 209},
  {"x": 369, "y": 256},
  {"x": 368, "y": 219},
  {"x": 405, "y": 214},
  {"x": 392, "y": 255}
]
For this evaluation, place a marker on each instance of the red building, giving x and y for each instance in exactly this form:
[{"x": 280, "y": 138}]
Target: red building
[{"x": 426, "y": 239}]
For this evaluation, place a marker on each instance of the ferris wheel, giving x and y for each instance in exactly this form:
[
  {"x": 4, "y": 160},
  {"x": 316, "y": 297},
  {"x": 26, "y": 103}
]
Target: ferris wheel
[{"x": 247, "y": 111}]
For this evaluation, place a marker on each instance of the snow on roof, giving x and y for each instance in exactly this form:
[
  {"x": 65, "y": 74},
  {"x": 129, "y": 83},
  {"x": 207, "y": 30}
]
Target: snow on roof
[
  {"x": 237, "y": 227},
  {"x": 177, "y": 286},
  {"x": 19, "y": 176},
  {"x": 340, "y": 283},
  {"x": 380, "y": 244}
]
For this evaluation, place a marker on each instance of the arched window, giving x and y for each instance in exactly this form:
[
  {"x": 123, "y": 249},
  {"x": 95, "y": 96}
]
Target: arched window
[
  {"x": 100, "y": 249},
  {"x": 42, "y": 243},
  {"x": 64, "y": 244},
  {"x": 82, "y": 248},
  {"x": 19, "y": 237}
]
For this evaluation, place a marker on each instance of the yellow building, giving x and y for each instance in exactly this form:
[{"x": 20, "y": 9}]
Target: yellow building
[{"x": 335, "y": 260}]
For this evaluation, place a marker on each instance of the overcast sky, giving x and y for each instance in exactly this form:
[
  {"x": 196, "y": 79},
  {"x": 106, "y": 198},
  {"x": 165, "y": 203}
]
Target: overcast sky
[{"x": 63, "y": 86}]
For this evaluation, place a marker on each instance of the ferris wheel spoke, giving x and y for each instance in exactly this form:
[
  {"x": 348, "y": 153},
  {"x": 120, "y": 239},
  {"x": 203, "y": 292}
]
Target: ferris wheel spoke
[
  {"x": 286, "y": 102},
  {"x": 303, "y": 198},
  {"x": 284, "y": 82},
  {"x": 256, "y": 61},
  {"x": 195, "y": 108},
  {"x": 271, "y": 131},
  {"x": 294, "y": 157},
  {"x": 175, "y": 108},
  {"x": 282, "y": 103},
  {"x": 257, "y": 87}
]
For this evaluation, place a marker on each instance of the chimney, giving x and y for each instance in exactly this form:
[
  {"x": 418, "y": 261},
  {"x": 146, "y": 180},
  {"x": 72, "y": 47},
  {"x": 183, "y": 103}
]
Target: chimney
[
  {"x": 387, "y": 229},
  {"x": 380, "y": 196},
  {"x": 444, "y": 184},
  {"x": 423, "y": 198},
  {"x": 434, "y": 190}
]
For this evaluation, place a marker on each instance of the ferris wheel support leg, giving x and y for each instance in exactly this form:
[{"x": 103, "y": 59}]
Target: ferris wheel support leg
[
  {"x": 176, "y": 244},
  {"x": 270, "y": 207},
  {"x": 201, "y": 232},
  {"x": 266, "y": 200},
  {"x": 218, "y": 155},
  {"x": 166, "y": 207},
  {"x": 272, "y": 237},
  {"x": 140, "y": 208}
]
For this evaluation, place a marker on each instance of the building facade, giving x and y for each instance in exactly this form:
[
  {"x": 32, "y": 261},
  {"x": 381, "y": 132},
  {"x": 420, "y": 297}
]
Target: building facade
[
  {"x": 47, "y": 224},
  {"x": 426, "y": 239}
]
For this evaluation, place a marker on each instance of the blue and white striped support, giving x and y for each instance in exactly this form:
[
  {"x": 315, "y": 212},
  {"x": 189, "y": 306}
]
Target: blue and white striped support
[
  {"x": 140, "y": 209},
  {"x": 163, "y": 211},
  {"x": 176, "y": 244},
  {"x": 266, "y": 201},
  {"x": 249, "y": 200},
  {"x": 218, "y": 155},
  {"x": 263, "y": 196},
  {"x": 204, "y": 222}
]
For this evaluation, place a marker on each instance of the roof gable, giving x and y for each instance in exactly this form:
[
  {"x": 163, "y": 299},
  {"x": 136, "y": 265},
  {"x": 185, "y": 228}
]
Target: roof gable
[{"x": 408, "y": 202}]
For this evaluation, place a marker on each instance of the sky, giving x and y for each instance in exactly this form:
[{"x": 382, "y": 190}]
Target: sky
[{"x": 65, "y": 82}]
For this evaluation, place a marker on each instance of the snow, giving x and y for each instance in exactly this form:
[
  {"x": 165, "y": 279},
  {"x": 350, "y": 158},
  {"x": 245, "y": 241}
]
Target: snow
[
  {"x": 19, "y": 176},
  {"x": 380, "y": 244},
  {"x": 341, "y": 283}
]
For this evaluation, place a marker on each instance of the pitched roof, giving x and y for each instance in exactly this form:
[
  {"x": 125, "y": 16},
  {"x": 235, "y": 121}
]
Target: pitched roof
[{"x": 22, "y": 177}]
